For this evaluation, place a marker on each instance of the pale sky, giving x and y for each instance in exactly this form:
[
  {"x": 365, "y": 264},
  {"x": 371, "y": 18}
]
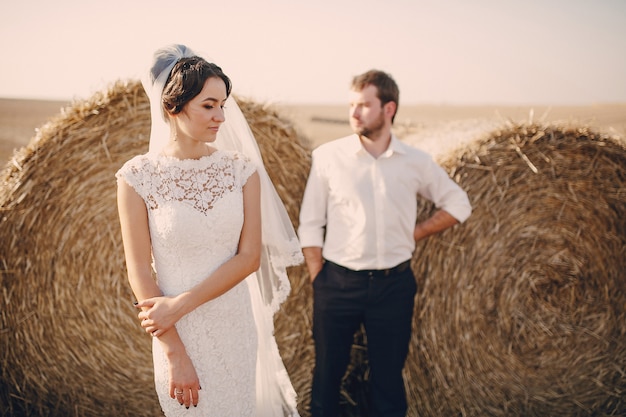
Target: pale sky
[{"x": 551, "y": 52}]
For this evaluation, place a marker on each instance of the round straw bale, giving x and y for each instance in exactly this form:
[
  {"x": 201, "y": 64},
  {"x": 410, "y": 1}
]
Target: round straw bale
[
  {"x": 522, "y": 309},
  {"x": 70, "y": 343}
]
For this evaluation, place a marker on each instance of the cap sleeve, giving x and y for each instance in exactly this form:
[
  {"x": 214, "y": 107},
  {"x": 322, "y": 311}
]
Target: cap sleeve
[
  {"x": 133, "y": 174},
  {"x": 245, "y": 168}
]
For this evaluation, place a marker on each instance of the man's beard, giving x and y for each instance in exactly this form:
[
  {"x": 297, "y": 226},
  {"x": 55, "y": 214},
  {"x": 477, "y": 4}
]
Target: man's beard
[{"x": 373, "y": 129}]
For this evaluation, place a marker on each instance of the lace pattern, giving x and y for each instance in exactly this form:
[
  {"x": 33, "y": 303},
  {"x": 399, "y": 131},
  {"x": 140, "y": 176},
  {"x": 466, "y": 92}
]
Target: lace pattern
[{"x": 199, "y": 182}]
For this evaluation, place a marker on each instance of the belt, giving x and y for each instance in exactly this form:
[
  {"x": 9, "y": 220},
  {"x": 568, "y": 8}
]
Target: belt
[{"x": 374, "y": 273}]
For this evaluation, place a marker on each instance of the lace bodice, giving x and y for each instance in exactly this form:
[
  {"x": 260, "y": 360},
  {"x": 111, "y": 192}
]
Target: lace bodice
[
  {"x": 195, "y": 208},
  {"x": 198, "y": 183}
]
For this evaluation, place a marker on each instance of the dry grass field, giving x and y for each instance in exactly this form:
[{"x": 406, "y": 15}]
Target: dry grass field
[
  {"x": 438, "y": 128},
  {"x": 431, "y": 127},
  {"x": 20, "y": 118}
]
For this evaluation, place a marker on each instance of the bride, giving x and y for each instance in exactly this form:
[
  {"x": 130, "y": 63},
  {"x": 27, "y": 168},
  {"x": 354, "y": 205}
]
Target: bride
[{"x": 206, "y": 241}]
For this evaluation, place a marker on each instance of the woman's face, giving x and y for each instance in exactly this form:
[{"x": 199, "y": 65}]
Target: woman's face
[{"x": 202, "y": 117}]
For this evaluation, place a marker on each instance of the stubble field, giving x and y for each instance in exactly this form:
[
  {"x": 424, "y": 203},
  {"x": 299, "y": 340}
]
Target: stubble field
[{"x": 431, "y": 127}]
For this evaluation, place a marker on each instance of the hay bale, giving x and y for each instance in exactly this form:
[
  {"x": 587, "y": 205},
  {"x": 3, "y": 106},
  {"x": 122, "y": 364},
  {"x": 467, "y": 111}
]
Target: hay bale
[
  {"x": 522, "y": 310},
  {"x": 70, "y": 343}
]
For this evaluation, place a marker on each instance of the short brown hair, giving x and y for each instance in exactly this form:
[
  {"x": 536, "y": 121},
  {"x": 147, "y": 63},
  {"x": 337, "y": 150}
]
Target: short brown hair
[{"x": 387, "y": 88}]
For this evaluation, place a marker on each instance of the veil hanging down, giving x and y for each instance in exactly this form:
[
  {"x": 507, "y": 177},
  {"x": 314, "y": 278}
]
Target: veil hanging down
[{"x": 269, "y": 286}]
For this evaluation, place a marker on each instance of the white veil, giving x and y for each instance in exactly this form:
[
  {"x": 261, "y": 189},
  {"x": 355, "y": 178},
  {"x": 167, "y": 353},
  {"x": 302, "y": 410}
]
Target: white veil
[{"x": 269, "y": 286}]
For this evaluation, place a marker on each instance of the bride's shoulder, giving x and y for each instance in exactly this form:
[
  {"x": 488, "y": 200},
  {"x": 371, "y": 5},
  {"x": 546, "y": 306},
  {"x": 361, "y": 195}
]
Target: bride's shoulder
[
  {"x": 135, "y": 170},
  {"x": 240, "y": 162}
]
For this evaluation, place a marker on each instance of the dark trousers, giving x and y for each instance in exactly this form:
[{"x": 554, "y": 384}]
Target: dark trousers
[{"x": 383, "y": 303}]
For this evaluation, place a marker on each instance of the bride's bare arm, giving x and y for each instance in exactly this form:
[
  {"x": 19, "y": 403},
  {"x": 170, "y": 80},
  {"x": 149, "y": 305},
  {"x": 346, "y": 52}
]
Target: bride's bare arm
[
  {"x": 136, "y": 238},
  {"x": 137, "y": 249},
  {"x": 161, "y": 313}
]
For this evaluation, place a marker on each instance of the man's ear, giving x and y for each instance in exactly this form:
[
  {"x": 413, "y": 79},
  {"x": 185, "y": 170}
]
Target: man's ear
[{"x": 390, "y": 109}]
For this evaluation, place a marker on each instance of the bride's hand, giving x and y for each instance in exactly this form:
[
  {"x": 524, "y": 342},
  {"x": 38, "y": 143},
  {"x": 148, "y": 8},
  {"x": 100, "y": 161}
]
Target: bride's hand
[
  {"x": 159, "y": 314},
  {"x": 184, "y": 383}
]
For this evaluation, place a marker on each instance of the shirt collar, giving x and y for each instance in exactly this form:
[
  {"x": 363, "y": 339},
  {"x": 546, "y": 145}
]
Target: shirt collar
[{"x": 395, "y": 146}]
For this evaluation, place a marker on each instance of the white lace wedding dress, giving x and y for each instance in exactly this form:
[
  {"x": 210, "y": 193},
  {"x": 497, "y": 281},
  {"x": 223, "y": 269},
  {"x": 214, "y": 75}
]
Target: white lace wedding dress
[{"x": 195, "y": 210}]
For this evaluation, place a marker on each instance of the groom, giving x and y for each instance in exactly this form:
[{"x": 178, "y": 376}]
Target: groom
[{"x": 358, "y": 232}]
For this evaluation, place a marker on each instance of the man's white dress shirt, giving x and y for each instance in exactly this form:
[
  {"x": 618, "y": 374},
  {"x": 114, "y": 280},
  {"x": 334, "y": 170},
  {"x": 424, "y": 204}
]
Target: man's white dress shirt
[{"x": 362, "y": 210}]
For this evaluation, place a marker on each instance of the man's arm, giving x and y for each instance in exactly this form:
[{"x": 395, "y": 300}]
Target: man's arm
[
  {"x": 438, "y": 222},
  {"x": 314, "y": 261},
  {"x": 313, "y": 220}
]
